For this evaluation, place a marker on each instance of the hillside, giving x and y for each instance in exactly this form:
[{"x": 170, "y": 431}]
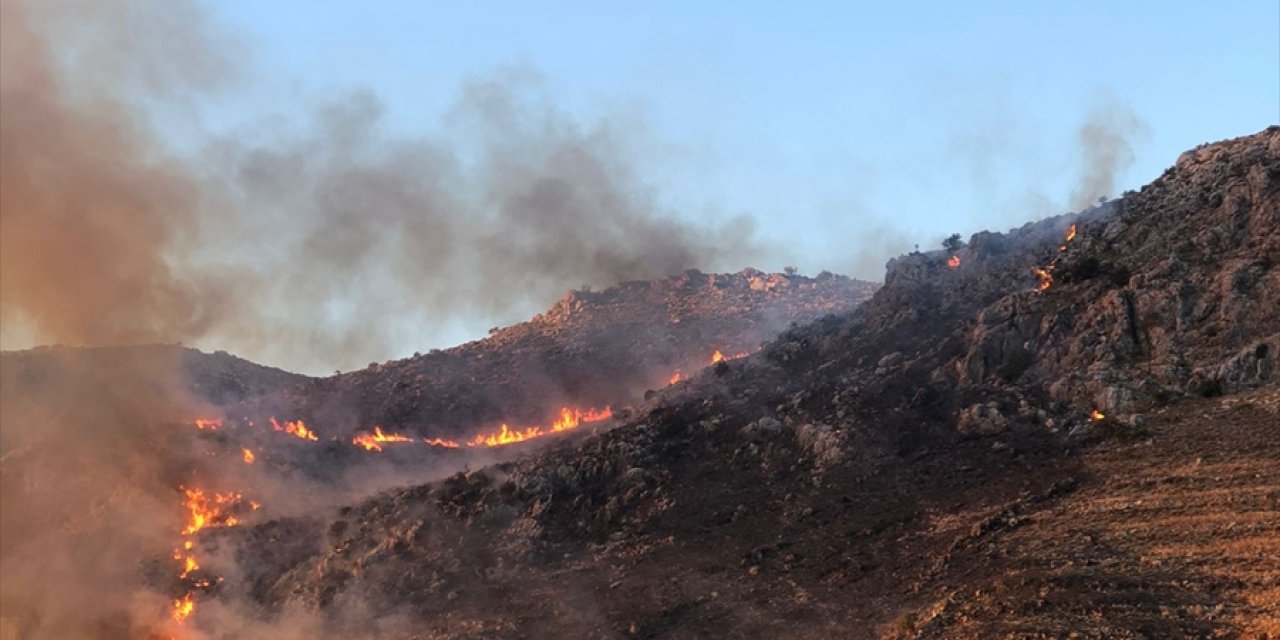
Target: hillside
[
  {"x": 946, "y": 460},
  {"x": 590, "y": 349},
  {"x": 115, "y": 457}
]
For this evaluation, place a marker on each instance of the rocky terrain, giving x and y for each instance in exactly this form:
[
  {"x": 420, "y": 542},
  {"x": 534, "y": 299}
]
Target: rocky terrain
[
  {"x": 102, "y": 447},
  {"x": 1065, "y": 430},
  {"x": 590, "y": 349}
]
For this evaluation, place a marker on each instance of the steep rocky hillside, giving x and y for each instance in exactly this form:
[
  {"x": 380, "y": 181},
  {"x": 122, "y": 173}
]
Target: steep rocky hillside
[
  {"x": 591, "y": 349},
  {"x": 955, "y": 450},
  {"x": 114, "y": 458}
]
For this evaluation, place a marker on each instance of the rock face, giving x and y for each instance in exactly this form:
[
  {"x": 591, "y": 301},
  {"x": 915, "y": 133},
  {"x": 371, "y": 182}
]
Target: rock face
[
  {"x": 589, "y": 349},
  {"x": 860, "y": 467}
]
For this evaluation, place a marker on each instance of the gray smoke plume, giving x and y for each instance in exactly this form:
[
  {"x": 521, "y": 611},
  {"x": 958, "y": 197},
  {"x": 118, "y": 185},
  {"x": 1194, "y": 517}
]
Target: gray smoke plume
[
  {"x": 325, "y": 243},
  {"x": 331, "y": 243},
  {"x": 1106, "y": 142}
]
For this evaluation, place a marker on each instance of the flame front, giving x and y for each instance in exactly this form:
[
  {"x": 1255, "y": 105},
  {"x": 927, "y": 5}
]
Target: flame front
[
  {"x": 720, "y": 357},
  {"x": 210, "y": 424},
  {"x": 374, "y": 441},
  {"x": 296, "y": 428},
  {"x": 675, "y": 377},
  {"x": 569, "y": 419},
  {"x": 204, "y": 510},
  {"x": 183, "y": 607},
  {"x": 441, "y": 442},
  {"x": 953, "y": 262},
  {"x": 189, "y": 563},
  {"x": 210, "y": 510},
  {"x": 1045, "y": 273}
]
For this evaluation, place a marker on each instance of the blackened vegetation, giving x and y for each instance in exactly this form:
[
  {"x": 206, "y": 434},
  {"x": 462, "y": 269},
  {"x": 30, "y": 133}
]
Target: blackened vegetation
[
  {"x": 881, "y": 465},
  {"x": 590, "y": 349},
  {"x": 1091, "y": 268}
]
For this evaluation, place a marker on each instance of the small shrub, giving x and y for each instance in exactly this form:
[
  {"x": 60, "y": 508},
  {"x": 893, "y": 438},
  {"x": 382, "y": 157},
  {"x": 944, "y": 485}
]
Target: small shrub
[{"x": 905, "y": 625}]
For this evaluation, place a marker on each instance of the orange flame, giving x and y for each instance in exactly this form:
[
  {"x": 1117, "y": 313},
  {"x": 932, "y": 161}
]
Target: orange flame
[
  {"x": 716, "y": 358},
  {"x": 504, "y": 435},
  {"x": 210, "y": 424},
  {"x": 205, "y": 510},
  {"x": 1045, "y": 275},
  {"x": 720, "y": 357},
  {"x": 189, "y": 564},
  {"x": 953, "y": 262},
  {"x": 569, "y": 419},
  {"x": 295, "y": 428},
  {"x": 373, "y": 441},
  {"x": 1096, "y": 415},
  {"x": 183, "y": 607},
  {"x": 210, "y": 510},
  {"x": 248, "y": 456},
  {"x": 441, "y": 442}
]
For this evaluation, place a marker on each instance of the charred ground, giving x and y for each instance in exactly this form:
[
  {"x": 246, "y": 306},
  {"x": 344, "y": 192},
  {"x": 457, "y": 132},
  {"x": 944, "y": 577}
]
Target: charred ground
[
  {"x": 923, "y": 466},
  {"x": 101, "y": 445},
  {"x": 931, "y": 463},
  {"x": 593, "y": 349}
]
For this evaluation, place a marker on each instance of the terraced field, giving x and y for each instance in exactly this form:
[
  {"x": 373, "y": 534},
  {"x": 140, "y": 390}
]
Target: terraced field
[{"x": 1174, "y": 533}]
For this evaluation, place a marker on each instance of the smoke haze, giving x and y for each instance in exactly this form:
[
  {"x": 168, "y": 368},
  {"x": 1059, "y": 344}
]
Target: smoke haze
[
  {"x": 327, "y": 240},
  {"x": 324, "y": 244},
  {"x": 314, "y": 243},
  {"x": 1106, "y": 142}
]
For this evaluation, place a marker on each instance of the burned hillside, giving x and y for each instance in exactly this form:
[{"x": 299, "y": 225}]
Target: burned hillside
[
  {"x": 138, "y": 457},
  {"x": 590, "y": 349},
  {"x": 896, "y": 469}
]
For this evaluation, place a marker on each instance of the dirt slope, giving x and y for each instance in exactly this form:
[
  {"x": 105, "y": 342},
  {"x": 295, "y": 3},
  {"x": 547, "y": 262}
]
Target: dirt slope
[{"x": 1172, "y": 533}]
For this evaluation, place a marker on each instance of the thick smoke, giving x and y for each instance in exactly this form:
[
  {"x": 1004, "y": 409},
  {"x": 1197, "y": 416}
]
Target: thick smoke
[
  {"x": 89, "y": 478},
  {"x": 331, "y": 240},
  {"x": 385, "y": 233},
  {"x": 88, "y": 205},
  {"x": 329, "y": 243}
]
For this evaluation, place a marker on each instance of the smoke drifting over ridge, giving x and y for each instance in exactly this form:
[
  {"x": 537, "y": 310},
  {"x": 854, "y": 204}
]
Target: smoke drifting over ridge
[
  {"x": 336, "y": 238},
  {"x": 330, "y": 240},
  {"x": 1106, "y": 143}
]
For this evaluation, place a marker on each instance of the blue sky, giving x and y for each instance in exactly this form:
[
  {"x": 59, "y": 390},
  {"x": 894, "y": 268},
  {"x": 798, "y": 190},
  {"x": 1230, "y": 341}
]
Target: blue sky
[
  {"x": 817, "y": 119},
  {"x": 846, "y": 131}
]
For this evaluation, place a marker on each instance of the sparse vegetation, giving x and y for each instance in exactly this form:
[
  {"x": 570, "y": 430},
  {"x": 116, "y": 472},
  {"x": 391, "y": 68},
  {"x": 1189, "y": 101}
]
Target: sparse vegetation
[{"x": 905, "y": 626}]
